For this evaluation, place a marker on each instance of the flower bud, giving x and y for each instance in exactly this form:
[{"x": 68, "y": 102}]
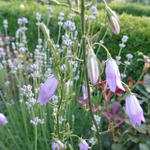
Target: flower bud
[
  {"x": 114, "y": 22},
  {"x": 92, "y": 67}
]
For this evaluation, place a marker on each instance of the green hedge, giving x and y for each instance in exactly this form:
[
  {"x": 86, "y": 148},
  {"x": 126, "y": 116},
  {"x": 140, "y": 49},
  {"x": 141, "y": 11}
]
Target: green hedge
[
  {"x": 129, "y": 8},
  {"x": 137, "y": 28}
]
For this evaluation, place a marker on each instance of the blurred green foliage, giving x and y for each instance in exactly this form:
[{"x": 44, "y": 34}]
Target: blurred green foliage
[
  {"x": 139, "y": 1},
  {"x": 137, "y": 28},
  {"x": 129, "y": 8}
]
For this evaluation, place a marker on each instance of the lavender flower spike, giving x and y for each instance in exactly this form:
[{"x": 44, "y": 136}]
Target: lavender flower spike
[
  {"x": 47, "y": 90},
  {"x": 113, "y": 78},
  {"x": 3, "y": 119},
  {"x": 83, "y": 145},
  {"x": 134, "y": 110}
]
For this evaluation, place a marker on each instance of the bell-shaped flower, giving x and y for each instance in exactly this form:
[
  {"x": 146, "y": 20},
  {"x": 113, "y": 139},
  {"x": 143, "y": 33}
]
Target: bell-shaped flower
[
  {"x": 92, "y": 67},
  {"x": 114, "y": 25},
  {"x": 113, "y": 19},
  {"x": 3, "y": 119},
  {"x": 113, "y": 78},
  {"x": 83, "y": 145},
  {"x": 84, "y": 99},
  {"x": 134, "y": 110},
  {"x": 47, "y": 90},
  {"x": 58, "y": 145}
]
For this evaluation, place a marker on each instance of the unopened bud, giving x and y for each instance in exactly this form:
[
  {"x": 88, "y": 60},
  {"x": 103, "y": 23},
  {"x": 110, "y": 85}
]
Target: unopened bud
[
  {"x": 93, "y": 67},
  {"x": 113, "y": 19}
]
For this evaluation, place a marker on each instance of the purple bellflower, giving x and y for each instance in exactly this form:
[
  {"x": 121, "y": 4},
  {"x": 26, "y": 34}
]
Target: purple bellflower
[
  {"x": 58, "y": 145},
  {"x": 83, "y": 145},
  {"x": 113, "y": 78},
  {"x": 47, "y": 90},
  {"x": 134, "y": 110},
  {"x": 84, "y": 99},
  {"x": 3, "y": 119},
  {"x": 93, "y": 67}
]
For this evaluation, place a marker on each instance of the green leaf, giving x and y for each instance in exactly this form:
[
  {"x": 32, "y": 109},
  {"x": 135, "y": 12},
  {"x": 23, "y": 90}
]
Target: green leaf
[
  {"x": 144, "y": 146},
  {"x": 117, "y": 147},
  {"x": 142, "y": 128}
]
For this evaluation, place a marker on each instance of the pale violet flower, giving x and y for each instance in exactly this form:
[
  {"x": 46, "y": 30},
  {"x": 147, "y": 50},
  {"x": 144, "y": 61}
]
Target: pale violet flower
[
  {"x": 3, "y": 119},
  {"x": 113, "y": 78},
  {"x": 134, "y": 110},
  {"x": 129, "y": 56},
  {"x": 58, "y": 145},
  {"x": 124, "y": 39},
  {"x": 94, "y": 10},
  {"x": 47, "y": 90},
  {"x": 83, "y": 145}
]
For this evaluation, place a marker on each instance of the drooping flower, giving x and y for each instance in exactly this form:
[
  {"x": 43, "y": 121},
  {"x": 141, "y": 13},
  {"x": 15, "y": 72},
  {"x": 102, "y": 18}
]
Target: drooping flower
[
  {"x": 113, "y": 78},
  {"x": 113, "y": 19},
  {"x": 93, "y": 67},
  {"x": 83, "y": 145},
  {"x": 47, "y": 90},
  {"x": 3, "y": 119},
  {"x": 134, "y": 110},
  {"x": 58, "y": 145},
  {"x": 114, "y": 25},
  {"x": 84, "y": 99}
]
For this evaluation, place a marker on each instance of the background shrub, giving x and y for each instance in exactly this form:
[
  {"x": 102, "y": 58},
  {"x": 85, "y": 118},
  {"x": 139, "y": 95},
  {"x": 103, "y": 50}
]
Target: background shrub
[{"x": 136, "y": 28}]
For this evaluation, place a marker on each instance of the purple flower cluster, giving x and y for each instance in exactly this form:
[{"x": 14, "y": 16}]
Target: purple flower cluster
[{"x": 69, "y": 25}]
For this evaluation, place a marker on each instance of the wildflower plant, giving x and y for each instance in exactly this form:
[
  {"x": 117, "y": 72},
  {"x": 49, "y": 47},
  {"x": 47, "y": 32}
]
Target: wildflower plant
[{"x": 63, "y": 96}]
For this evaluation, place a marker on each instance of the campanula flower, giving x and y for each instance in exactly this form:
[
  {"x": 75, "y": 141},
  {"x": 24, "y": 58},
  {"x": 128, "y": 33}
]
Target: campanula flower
[
  {"x": 47, "y": 90},
  {"x": 84, "y": 99},
  {"x": 83, "y": 145},
  {"x": 58, "y": 145},
  {"x": 134, "y": 110},
  {"x": 113, "y": 78},
  {"x": 93, "y": 67},
  {"x": 3, "y": 119},
  {"x": 113, "y": 19}
]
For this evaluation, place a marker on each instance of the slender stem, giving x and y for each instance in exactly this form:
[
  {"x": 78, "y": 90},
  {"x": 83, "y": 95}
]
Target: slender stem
[
  {"x": 107, "y": 51},
  {"x": 59, "y": 34},
  {"x": 86, "y": 72},
  {"x": 140, "y": 77},
  {"x": 59, "y": 106}
]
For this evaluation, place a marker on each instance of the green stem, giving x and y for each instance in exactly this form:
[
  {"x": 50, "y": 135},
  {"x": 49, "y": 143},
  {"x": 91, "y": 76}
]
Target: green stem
[
  {"x": 86, "y": 72},
  {"x": 59, "y": 106},
  {"x": 107, "y": 51},
  {"x": 59, "y": 35},
  {"x": 139, "y": 79}
]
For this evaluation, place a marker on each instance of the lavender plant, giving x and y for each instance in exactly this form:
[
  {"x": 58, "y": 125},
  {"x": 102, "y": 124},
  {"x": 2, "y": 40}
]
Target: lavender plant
[{"x": 41, "y": 91}]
